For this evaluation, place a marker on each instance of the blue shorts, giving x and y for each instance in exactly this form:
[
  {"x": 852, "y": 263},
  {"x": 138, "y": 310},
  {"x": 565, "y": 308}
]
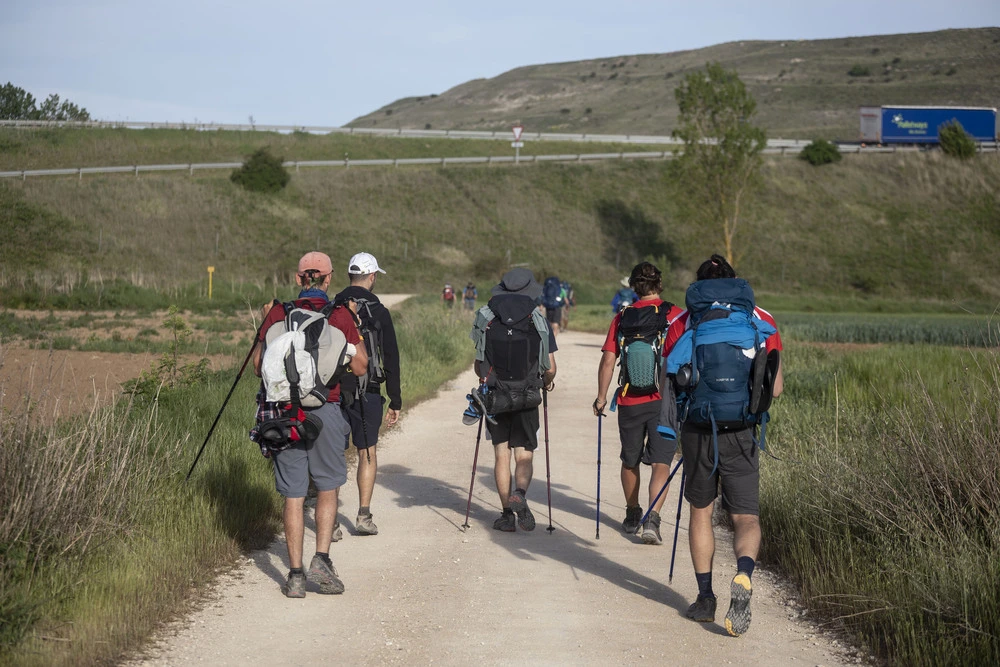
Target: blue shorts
[{"x": 322, "y": 459}]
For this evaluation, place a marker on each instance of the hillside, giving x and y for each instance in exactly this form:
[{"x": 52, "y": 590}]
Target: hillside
[
  {"x": 915, "y": 226},
  {"x": 803, "y": 88}
]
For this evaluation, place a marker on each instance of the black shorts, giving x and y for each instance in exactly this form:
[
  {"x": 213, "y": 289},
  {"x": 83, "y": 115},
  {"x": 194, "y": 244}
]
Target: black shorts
[
  {"x": 641, "y": 442},
  {"x": 518, "y": 429},
  {"x": 738, "y": 473},
  {"x": 554, "y": 315},
  {"x": 365, "y": 434}
]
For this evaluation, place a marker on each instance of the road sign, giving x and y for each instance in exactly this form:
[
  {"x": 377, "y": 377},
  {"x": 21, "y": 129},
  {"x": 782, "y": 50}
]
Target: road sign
[
  {"x": 517, "y": 144},
  {"x": 518, "y": 129}
]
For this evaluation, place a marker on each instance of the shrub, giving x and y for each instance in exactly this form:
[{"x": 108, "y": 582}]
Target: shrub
[
  {"x": 820, "y": 151},
  {"x": 262, "y": 172},
  {"x": 860, "y": 70},
  {"x": 955, "y": 141}
]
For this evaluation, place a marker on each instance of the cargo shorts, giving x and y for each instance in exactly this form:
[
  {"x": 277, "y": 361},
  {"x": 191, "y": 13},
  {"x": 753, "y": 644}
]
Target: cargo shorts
[
  {"x": 322, "y": 459},
  {"x": 738, "y": 473}
]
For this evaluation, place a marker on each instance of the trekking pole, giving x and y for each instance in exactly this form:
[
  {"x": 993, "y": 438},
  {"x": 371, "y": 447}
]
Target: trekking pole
[
  {"x": 677, "y": 526},
  {"x": 475, "y": 460},
  {"x": 256, "y": 340},
  {"x": 548, "y": 475},
  {"x": 599, "y": 418},
  {"x": 662, "y": 490}
]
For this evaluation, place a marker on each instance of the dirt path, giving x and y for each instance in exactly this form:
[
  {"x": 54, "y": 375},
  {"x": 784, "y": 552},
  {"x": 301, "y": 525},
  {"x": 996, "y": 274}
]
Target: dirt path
[{"x": 424, "y": 591}]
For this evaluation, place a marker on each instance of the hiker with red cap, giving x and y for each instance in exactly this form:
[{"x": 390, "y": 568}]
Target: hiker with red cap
[{"x": 313, "y": 447}]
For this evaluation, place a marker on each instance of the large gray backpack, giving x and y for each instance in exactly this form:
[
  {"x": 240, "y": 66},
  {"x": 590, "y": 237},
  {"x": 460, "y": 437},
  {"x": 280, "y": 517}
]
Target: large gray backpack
[{"x": 304, "y": 356}]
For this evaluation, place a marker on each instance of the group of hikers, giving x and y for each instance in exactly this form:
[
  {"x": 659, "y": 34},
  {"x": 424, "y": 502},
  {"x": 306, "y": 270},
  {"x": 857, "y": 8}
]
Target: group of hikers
[{"x": 702, "y": 376}]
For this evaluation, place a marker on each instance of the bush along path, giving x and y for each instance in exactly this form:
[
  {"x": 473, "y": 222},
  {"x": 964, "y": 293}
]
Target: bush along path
[{"x": 424, "y": 590}]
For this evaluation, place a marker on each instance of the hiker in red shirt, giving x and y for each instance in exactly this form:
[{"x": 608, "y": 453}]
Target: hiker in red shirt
[{"x": 636, "y": 334}]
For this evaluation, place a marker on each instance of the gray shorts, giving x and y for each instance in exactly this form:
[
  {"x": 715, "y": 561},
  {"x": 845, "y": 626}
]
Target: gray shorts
[
  {"x": 641, "y": 442},
  {"x": 364, "y": 434},
  {"x": 738, "y": 473},
  {"x": 322, "y": 459}
]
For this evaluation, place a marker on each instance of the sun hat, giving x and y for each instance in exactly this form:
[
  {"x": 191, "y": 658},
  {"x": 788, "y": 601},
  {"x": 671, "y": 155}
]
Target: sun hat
[
  {"x": 362, "y": 264},
  {"x": 315, "y": 261},
  {"x": 518, "y": 281}
]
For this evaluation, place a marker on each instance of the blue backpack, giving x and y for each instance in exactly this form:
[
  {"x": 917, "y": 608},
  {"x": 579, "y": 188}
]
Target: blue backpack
[
  {"x": 719, "y": 364},
  {"x": 552, "y": 292}
]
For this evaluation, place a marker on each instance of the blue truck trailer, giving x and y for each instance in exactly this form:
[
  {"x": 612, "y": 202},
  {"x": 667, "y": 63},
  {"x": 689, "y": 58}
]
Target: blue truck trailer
[{"x": 920, "y": 125}]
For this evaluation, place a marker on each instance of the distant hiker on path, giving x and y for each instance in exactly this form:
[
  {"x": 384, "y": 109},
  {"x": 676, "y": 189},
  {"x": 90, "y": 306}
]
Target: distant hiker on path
[
  {"x": 469, "y": 296},
  {"x": 362, "y": 397},
  {"x": 711, "y": 345},
  {"x": 552, "y": 299},
  {"x": 636, "y": 336},
  {"x": 514, "y": 360},
  {"x": 318, "y": 437},
  {"x": 623, "y": 297},
  {"x": 448, "y": 295}
]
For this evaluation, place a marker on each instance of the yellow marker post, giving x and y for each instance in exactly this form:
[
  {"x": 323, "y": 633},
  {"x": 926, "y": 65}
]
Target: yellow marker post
[{"x": 211, "y": 270}]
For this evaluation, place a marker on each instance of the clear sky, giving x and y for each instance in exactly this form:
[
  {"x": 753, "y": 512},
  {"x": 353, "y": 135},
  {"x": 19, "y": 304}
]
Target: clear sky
[{"x": 307, "y": 62}]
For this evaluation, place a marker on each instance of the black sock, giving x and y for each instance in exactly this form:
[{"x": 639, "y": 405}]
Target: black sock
[
  {"x": 325, "y": 556},
  {"x": 523, "y": 492},
  {"x": 364, "y": 511},
  {"x": 295, "y": 570},
  {"x": 507, "y": 511},
  {"x": 704, "y": 584},
  {"x": 745, "y": 564}
]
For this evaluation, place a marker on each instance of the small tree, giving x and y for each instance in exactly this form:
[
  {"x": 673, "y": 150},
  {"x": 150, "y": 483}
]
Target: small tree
[
  {"x": 955, "y": 141},
  {"x": 15, "y": 103},
  {"x": 820, "y": 151},
  {"x": 722, "y": 148},
  {"x": 262, "y": 172}
]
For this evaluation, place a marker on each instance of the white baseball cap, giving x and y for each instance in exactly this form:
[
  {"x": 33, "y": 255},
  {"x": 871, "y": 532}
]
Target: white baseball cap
[{"x": 362, "y": 264}]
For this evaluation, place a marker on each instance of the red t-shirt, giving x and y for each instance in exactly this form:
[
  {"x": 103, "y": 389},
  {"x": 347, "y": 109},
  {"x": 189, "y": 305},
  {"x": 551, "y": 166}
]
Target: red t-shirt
[
  {"x": 341, "y": 318},
  {"x": 679, "y": 326},
  {"x": 611, "y": 345}
]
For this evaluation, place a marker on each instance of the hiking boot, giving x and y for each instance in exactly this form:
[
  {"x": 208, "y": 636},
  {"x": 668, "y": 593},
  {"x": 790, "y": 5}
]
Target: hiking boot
[
  {"x": 365, "y": 526},
  {"x": 322, "y": 571},
  {"x": 295, "y": 586},
  {"x": 738, "y": 616},
  {"x": 338, "y": 533},
  {"x": 633, "y": 515},
  {"x": 651, "y": 529},
  {"x": 525, "y": 519},
  {"x": 505, "y": 522},
  {"x": 703, "y": 609}
]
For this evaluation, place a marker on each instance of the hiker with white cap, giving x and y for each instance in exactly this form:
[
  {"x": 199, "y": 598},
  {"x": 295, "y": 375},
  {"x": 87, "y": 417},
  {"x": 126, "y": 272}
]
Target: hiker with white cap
[
  {"x": 515, "y": 360},
  {"x": 363, "y": 398}
]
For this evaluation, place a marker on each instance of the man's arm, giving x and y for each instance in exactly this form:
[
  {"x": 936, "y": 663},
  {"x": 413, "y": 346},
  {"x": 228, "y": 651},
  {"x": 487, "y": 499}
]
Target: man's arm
[
  {"x": 550, "y": 375},
  {"x": 605, "y": 371},
  {"x": 779, "y": 382}
]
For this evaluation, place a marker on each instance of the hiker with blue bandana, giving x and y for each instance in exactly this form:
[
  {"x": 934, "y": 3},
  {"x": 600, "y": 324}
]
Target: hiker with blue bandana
[{"x": 723, "y": 364}]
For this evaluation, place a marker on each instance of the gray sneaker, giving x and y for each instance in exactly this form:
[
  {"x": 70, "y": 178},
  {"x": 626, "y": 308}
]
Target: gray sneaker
[
  {"x": 295, "y": 586},
  {"x": 322, "y": 571},
  {"x": 633, "y": 515},
  {"x": 703, "y": 609},
  {"x": 651, "y": 529},
  {"x": 338, "y": 533},
  {"x": 365, "y": 526},
  {"x": 738, "y": 616},
  {"x": 525, "y": 519}
]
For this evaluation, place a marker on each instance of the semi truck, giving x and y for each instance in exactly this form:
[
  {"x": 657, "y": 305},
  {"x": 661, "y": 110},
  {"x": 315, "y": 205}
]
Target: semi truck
[{"x": 920, "y": 125}]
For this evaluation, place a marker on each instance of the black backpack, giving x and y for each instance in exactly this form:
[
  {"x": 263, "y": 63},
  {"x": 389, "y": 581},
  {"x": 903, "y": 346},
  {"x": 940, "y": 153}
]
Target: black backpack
[
  {"x": 512, "y": 345},
  {"x": 370, "y": 328},
  {"x": 641, "y": 331}
]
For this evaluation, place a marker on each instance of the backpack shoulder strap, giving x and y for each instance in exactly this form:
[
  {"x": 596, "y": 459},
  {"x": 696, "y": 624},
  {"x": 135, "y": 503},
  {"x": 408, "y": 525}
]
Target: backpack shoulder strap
[
  {"x": 484, "y": 316},
  {"x": 542, "y": 326}
]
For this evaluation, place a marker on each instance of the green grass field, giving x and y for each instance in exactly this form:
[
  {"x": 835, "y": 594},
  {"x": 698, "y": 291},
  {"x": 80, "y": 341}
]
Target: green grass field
[{"x": 878, "y": 232}]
